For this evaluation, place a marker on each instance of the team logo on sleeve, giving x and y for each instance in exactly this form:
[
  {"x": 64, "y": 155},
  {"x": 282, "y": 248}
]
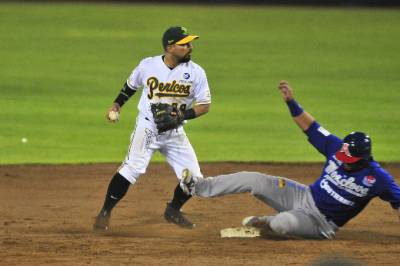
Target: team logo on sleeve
[
  {"x": 186, "y": 76},
  {"x": 369, "y": 181},
  {"x": 167, "y": 89}
]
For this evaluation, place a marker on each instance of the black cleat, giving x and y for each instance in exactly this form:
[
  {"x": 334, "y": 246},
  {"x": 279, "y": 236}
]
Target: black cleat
[
  {"x": 175, "y": 216},
  {"x": 102, "y": 222}
]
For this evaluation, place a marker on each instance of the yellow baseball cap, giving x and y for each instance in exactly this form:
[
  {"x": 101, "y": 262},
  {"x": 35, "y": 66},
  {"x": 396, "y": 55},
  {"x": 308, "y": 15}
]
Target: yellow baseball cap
[{"x": 177, "y": 35}]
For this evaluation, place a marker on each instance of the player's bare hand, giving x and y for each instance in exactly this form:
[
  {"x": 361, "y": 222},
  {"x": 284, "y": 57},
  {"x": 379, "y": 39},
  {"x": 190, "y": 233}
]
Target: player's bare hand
[
  {"x": 112, "y": 114},
  {"x": 286, "y": 91}
]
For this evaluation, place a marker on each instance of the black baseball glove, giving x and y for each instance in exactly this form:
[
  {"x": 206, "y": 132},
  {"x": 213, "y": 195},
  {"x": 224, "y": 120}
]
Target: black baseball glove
[{"x": 166, "y": 116}]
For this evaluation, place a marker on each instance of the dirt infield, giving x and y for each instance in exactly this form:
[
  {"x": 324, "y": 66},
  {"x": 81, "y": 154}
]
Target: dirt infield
[{"x": 47, "y": 213}]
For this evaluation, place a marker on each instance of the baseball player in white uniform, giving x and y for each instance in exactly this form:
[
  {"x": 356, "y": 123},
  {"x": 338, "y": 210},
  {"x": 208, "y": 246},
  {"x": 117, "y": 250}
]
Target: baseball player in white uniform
[{"x": 174, "y": 80}]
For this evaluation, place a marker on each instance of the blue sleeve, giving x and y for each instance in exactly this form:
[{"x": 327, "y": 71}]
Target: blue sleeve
[
  {"x": 391, "y": 194},
  {"x": 322, "y": 139}
]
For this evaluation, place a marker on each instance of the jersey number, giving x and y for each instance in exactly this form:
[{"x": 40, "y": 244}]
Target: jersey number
[{"x": 182, "y": 107}]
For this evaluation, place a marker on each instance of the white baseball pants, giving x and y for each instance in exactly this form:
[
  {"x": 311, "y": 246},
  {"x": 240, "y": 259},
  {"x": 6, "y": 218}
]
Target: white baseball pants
[{"x": 145, "y": 141}]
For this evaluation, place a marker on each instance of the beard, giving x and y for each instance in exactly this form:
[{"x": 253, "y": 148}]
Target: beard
[{"x": 185, "y": 59}]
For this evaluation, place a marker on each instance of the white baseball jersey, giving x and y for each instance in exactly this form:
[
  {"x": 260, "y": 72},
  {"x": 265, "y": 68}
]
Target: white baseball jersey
[{"x": 182, "y": 86}]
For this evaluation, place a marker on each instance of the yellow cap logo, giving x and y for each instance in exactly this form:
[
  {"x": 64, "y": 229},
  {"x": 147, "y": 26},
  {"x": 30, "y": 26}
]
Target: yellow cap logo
[{"x": 184, "y": 31}]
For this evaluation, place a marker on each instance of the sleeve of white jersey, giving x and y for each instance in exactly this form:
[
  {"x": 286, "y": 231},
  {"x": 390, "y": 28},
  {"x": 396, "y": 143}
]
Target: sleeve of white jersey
[
  {"x": 135, "y": 81},
  {"x": 202, "y": 93}
]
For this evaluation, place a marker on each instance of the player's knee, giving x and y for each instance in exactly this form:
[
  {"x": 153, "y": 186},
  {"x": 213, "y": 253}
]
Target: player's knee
[
  {"x": 284, "y": 223},
  {"x": 130, "y": 173},
  {"x": 256, "y": 182}
]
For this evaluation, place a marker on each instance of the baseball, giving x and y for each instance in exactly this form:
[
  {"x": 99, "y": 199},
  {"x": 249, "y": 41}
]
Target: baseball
[
  {"x": 113, "y": 116},
  {"x": 24, "y": 140}
]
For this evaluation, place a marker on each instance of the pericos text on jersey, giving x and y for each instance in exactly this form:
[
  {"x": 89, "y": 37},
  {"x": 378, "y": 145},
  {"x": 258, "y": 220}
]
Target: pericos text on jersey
[{"x": 167, "y": 89}]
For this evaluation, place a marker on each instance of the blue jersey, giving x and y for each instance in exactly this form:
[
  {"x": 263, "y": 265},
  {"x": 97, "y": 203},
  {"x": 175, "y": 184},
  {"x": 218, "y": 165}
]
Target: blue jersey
[{"x": 341, "y": 195}]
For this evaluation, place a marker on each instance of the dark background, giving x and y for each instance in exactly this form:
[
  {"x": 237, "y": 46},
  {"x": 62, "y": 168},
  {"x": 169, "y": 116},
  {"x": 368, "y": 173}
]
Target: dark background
[{"x": 340, "y": 3}]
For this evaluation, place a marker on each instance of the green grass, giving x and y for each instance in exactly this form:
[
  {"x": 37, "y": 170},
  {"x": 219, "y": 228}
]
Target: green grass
[{"x": 62, "y": 65}]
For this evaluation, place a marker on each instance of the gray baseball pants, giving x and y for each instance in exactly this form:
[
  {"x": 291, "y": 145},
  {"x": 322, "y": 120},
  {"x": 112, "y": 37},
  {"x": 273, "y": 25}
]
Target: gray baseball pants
[{"x": 298, "y": 215}]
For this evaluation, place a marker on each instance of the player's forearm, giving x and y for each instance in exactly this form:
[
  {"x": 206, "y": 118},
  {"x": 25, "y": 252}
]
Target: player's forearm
[
  {"x": 200, "y": 109},
  {"x": 301, "y": 117},
  {"x": 124, "y": 95},
  {"x": 196, "y": 111}
]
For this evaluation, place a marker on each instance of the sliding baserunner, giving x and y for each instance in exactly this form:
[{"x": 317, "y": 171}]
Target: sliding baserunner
[{"x": 350, "y": 179}]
